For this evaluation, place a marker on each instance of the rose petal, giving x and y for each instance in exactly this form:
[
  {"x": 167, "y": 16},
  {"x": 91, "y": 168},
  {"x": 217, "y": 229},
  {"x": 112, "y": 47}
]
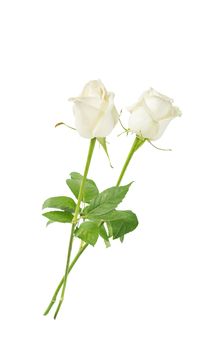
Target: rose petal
[
  {"x": 162, "y": 125},
  {"x": 142, "y": 123},
  {"x": 86, "y": 117},
  {"x": 94, "y": 88},
  {"x": 160, "y": 109},
  {"x": 107, "y": 120}
]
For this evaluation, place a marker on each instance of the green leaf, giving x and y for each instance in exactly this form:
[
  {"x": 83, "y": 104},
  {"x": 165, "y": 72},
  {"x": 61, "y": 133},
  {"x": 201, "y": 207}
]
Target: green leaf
[
  {"x": 90, "y": 188},
  {"x": 107, "y": 243},
  {"x": 105, "y": 201},
  {"x": 109, "y": 227},
  {"x": 102, "y": 141},
  {"x": 122, "y": 239},
  {"x": 122, "y": 222},
  {"x": 115, "y": 215},
  {"x": 59, "y": 216},
  {"x": 88, "y": 232},
  {"x": 103, "y": 233},
  {"x": 61, "y": 202}
]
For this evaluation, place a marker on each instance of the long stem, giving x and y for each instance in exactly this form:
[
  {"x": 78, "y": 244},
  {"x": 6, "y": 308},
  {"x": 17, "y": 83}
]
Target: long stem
[
  {"x": 74, "y": 221},
  {"x": 80, "y": 251},
  {"x": 136, "y": 144}
]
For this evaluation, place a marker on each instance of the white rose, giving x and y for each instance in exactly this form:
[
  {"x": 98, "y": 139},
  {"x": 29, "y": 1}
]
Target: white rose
[
  {"x": 151, "y": 114},
  {"x": 94, "y": 111}
]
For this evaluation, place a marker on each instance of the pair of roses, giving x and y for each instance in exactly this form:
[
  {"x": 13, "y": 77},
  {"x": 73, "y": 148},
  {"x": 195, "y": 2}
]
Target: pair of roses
[
  {"x": 96, "y": 115},
  {"x": 95, "y": 213}
]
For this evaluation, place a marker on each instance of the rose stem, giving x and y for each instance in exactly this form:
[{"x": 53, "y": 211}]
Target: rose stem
[
  {"x": 136, "y": 144},
  {"x": 74, "y": 221},
  {"x": 80, "y": 251}
]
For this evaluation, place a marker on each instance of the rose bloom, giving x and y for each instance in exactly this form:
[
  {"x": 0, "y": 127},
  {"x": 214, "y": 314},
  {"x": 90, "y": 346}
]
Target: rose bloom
[
  {"x": 151, "y": 114},
  {"x": 94, "y": 111}
]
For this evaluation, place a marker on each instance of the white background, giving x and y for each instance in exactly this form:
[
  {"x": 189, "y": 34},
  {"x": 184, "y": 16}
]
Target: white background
[{"x": 162, "y": 288}]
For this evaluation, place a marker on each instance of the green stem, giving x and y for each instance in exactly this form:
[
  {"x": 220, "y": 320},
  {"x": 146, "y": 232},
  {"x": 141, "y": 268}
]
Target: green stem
[
  {"x": 136, "y": 144},
  {"x": 74, "y": 222},
  {"x": 80, "y": 251}
]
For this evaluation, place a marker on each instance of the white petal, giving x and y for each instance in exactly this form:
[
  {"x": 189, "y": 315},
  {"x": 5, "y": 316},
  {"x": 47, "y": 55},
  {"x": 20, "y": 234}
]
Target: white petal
[
  {"x": 159, "y": 108},
  {"x": 108, "y": 119},
  {"x": 139, "y": 103},
  {"x": 153, "y": 93},
  {"x": 176, "y": 112},
  {"x": 162, "y": 127},
  {"x": 94, "y": 88},
  {"x": 86, "y": 117},
  {"x": 95, "y": 102},
  {"x": 142, "y": 124}
]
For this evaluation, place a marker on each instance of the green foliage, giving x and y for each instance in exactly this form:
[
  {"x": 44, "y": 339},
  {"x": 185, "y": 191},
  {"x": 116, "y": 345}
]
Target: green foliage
[
  {"x": 110, "y": 232},
  {"x": 88, "y": 232},
  {"x": 60, "y": 202},
  {"x": 102, "y": 217},
  {"x": 102, "y": 141},
  {"x": 122, "y": 239},
  {"x": 121, "y": 222},
  {"x": 102, "y": 207},
  {"x": 105, "y": 202},
  {"x": 59, "y": 216},
  {"x": 90, "y": 188},
  {"x": 102, "y": 232}
]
